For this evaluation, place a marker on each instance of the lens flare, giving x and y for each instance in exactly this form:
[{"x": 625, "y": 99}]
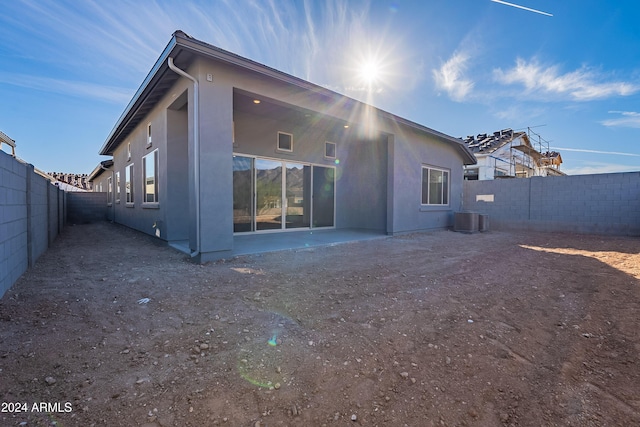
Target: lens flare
[
  {"x": 263, "y": 365},
  {"x": 273, "y": 341}
]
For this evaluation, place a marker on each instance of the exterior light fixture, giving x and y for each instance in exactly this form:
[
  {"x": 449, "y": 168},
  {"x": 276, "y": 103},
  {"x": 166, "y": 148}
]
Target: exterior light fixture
[{"x": 256, "y": 101}]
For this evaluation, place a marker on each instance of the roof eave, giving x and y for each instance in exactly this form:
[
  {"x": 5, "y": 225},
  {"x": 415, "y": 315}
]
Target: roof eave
[
  {"x": 109, "y": 145},
  {"x": 98, "y": 170}
]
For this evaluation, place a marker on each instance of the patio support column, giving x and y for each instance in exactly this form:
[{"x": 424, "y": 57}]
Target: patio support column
[{"x": 216, "y": 156}]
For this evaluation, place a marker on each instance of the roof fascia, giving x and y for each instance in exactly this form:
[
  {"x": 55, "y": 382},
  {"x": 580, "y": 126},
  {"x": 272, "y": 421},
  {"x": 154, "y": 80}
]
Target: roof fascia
[{"x": 98, "y": 170}]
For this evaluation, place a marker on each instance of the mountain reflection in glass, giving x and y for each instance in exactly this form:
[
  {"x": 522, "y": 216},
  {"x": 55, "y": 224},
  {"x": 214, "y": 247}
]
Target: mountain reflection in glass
[{"x": 268, "y": 194}]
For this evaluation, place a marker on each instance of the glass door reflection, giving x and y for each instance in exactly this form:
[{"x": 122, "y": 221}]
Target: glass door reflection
[
  {"x": 242, "y": 194},
  {"x": 298, "y": 191},
  {"x": 268, "y": 194}
]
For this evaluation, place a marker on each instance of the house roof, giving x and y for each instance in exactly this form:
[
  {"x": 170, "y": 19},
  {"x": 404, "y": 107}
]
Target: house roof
[
  {"x": 552, "y": 155},
  {"x": 184, "y": 49},
  {"x": 485, "y": 143}
]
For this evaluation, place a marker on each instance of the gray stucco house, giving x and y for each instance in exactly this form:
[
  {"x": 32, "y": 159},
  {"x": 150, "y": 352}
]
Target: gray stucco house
[{"x": 213, "y": 145}]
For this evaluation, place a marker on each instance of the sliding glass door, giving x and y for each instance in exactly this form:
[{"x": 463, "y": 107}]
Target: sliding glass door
[
  {"x": 277, "y": 195},
  {"x": 323, "y": 196},
  {"x": 242, "y": 194},
  {"x": 268, "y": 194},
  {"x": 298, "y": 195}
]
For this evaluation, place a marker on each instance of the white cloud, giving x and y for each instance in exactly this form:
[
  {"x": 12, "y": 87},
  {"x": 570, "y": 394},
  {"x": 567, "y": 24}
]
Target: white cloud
[
  {"x": 112, "y": 94},
  {"x": 629, "y": 119},
  {"x": 595, "y": 168},
  {"x": 583, "y": 84},
  {"x": 450, "y": 77}
]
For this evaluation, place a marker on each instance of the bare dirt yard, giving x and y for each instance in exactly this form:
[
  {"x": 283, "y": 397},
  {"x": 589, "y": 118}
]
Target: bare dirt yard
[{"x": 429, "y": 329}]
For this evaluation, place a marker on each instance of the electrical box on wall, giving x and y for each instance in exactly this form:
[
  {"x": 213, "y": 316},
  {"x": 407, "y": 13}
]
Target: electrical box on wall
[{"x": 209, "y": 77}]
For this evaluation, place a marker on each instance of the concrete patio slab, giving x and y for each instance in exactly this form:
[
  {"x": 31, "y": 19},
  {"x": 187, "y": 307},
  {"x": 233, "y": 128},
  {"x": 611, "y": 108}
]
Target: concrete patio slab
[{"x": 253, "y": 243}]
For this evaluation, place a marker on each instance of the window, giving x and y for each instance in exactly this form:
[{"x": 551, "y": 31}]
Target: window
[
  {"x": 285, "y": 141},
  {"x": 435, "y": 186},
  {"x": 128, "y": 184},
  {"x": 149, "y": 134},
  {"x": 150, "y": 177},
  {"x": 117, "y": 187},
  {"x": 109, "y": 190},
  {"x": 330, "y": 150},
  {"x": 128, "y": 151},
  {"x": 471, "y": 174}
]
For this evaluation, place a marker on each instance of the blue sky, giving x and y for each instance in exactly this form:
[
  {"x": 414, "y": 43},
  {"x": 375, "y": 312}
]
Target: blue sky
[{"x": 461, "y": 67}]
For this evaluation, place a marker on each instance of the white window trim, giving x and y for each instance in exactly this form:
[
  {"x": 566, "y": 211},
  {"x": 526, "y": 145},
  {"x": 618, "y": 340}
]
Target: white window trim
[
  {"x": 285, "y": 150},
  {"x": 116, "y": 188},
  {"x": 335, "y": 147},
  {"x": 156, "y": 160},
  {"x": 148, "y": 135},
  {"x": 109, "y": 191},
  {"x": 131, "y": 169},
  {"x": 448, "y": 189}
]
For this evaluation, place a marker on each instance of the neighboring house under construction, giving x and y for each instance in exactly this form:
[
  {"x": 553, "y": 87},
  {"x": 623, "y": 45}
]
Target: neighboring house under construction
[{"x": 509, "y": 154}]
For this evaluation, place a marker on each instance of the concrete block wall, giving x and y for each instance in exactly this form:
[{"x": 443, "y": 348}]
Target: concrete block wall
[
  {"x": 86, "y": 207},
  {"x": 31, "y": 216},
  {"x": 14, "y": 258},
  {"x": 37, "y": 216},
  {"x": 598, "y": 204}
]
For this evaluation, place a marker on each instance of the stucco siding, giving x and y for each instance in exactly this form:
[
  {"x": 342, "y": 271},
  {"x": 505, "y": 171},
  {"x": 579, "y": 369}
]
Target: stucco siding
[
  {"x": 411, "y": 153},
  {"x": 362, "y": 185}
]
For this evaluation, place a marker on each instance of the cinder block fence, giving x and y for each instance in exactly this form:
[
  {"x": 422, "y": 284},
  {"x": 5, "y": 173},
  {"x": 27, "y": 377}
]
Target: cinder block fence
[
  {"x": 594, "y": 204},
  {"x": 86, "y": 207},
  {"x": 32, "y": 214}
]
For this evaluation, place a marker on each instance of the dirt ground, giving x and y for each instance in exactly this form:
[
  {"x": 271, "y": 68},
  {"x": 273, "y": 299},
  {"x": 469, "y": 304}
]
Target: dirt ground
[{"x": 429, "y": 329}]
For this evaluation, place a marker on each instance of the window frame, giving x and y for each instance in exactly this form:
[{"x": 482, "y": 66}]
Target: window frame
[
  {"x": 109, "y": 191},
  {"x": 155, "y": 159},
  {"x": 117, "y": 187},
  {"x": 327, "y": 144},
  {"x": 445, "y": 191},
  {"x": 279, "y": 148},
  {"x": 129, "y": 185},
  {"x": 149, "y": 135}
]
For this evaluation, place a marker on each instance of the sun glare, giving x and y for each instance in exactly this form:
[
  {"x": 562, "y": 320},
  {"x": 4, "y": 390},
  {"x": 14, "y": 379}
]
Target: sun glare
[{"x": 370, "y": 72}]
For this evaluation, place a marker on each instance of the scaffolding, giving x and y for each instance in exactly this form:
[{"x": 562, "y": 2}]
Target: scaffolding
[
  {"x": 510, "y": 154},
  {"x": 4, "y": 139},
  {"x": 530, "y": 160}
]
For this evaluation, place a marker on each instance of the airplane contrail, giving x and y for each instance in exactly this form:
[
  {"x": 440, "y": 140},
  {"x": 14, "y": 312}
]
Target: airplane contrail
[
  {"x": 522, "y": 7},
  {"x": 616, "y": 153}
]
